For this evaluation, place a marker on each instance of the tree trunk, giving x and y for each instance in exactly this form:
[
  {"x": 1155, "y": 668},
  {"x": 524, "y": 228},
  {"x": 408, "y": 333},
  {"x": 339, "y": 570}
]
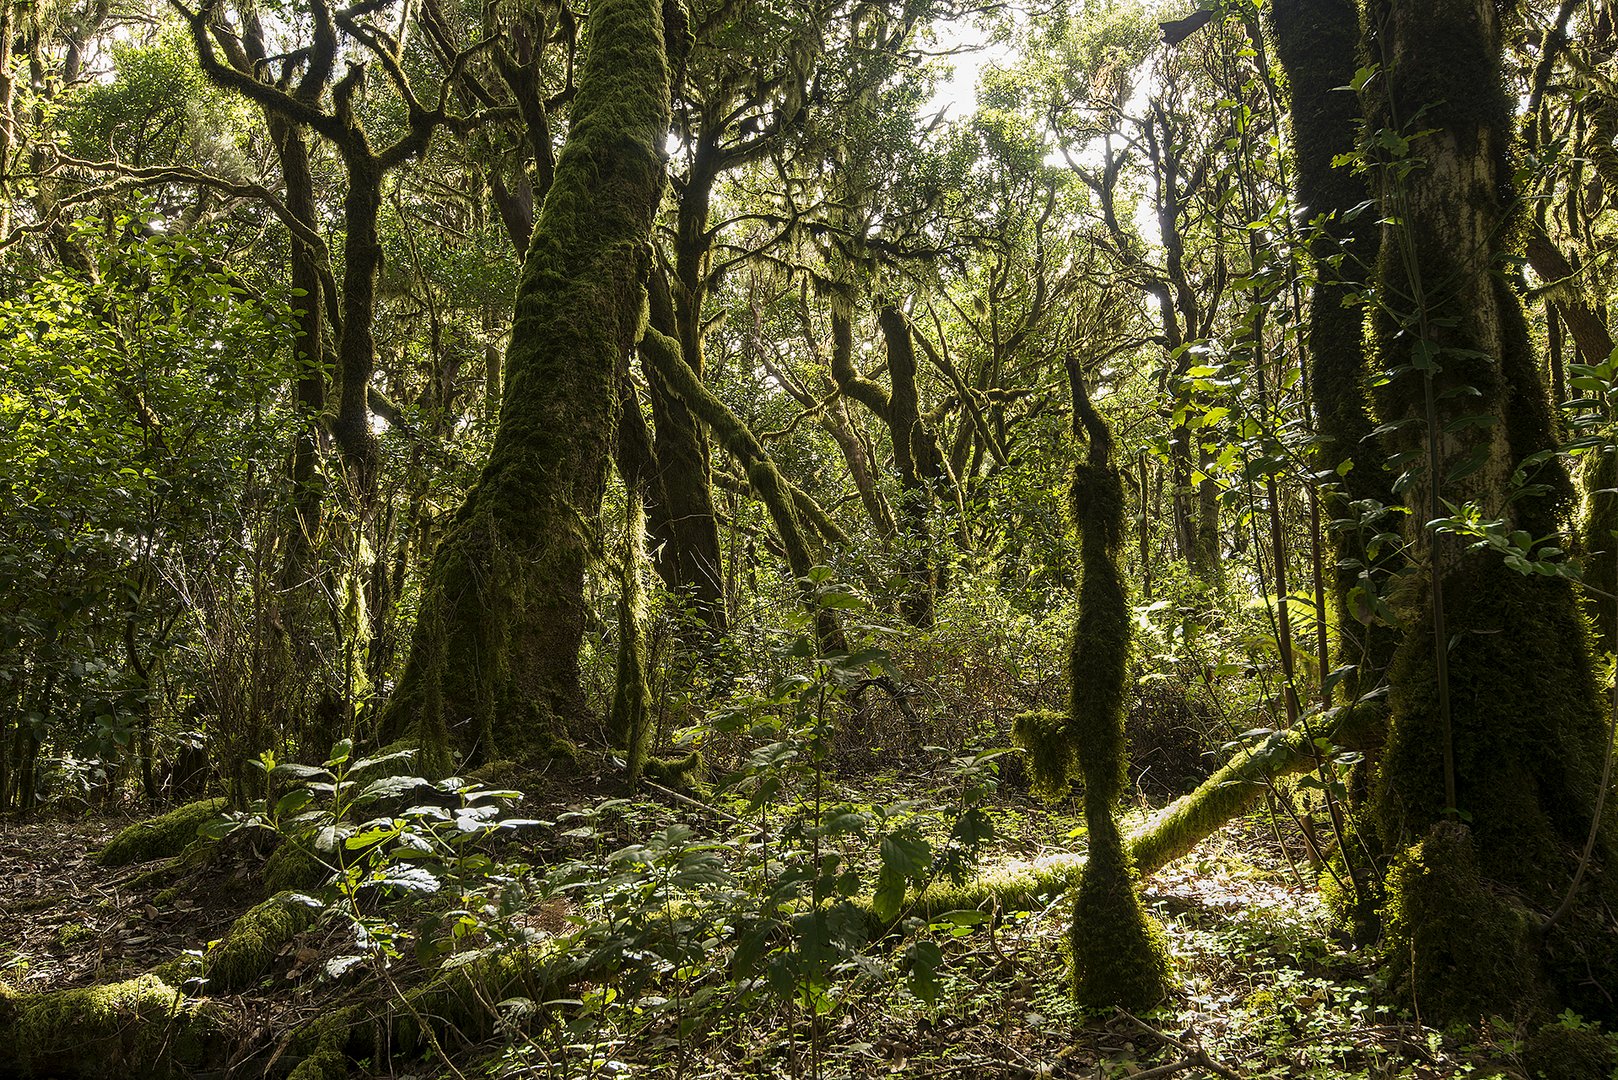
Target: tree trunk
[
  {"x": 494, "y": 662},
  {"x": 1488, "y": 782},
  {"x": 1317, "y": 42},
  {"x": 682, "y": 513}
]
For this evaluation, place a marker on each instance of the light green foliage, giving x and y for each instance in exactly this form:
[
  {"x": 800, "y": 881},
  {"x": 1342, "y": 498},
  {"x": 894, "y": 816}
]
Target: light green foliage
[
  {"x": 157, "y": 110},
  {"x": 130, "y": 407},
  {"x": 161, "y": 837}
]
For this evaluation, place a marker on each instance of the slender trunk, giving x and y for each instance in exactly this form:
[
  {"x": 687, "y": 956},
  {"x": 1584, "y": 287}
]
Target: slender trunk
[
  {"x": 1317, "y": 42},
  {"x": 682, "y": 514}
]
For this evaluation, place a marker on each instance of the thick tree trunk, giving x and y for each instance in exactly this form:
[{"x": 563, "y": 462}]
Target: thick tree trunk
[
  {"x": 1495, "y": 717},
  {"x": 493, "y": 668}
]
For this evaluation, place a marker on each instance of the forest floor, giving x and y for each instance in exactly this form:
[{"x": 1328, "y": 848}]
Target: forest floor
[{"x": 1264, "y": 987}]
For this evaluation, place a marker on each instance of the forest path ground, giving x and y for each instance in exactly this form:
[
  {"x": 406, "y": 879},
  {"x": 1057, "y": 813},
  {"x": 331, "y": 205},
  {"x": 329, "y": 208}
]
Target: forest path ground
[{"x": 1264, "y": 989}]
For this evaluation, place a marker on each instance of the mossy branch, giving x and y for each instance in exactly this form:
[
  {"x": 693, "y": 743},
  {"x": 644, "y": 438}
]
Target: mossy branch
[
  {"x": 1172, "y": 834},
  {"x": 774, "y": 490}
]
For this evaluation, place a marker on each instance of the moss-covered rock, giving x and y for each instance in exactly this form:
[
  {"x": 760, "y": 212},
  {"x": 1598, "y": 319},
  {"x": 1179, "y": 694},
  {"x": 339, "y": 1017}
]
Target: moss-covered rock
[
  {"x": 161, "y": 837},
  {"x": 458, "y": 999},
  {"x": 142, "y": 1027},
  {"x": 244, "y": 955},
  {"x": 292, "y": 866},
  {"x": 327, "y": 1063}
]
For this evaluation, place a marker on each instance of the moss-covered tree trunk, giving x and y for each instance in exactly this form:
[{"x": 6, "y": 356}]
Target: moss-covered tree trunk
[
  {"x": 681, "y": 512},
  {"x": 1317, "y": 42},
  {"x": 494, "y": 662},
  {"x": 1119, "y": 955},
  {"x": 1488, "y": 781}
]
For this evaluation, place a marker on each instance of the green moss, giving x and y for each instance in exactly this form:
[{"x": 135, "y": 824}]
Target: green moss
[
  {"x": 245, "y": 954},
  {"x": 1174, "y": 832},
  {"x": 1456, "y": 947},
  {"x": 682, "y": 772},
  {"x": 1120, "y": 955},
  {"x": 1317, "y": 43},
  {"x": 1569, "y": 1052},
  {"x": 140, "y": 1027},
  {"x": 70, "y": 934},
  {"x": 160, "y": 837},
  {"x": 1043, "y": 736},
  {"x": 327, "y": 1063},
  {"x": 324, "y": 1044},
  {"x": 459, "y": 998},
  {"x": 1527, "y": 719},
  {"x": 292, "y": 866}
]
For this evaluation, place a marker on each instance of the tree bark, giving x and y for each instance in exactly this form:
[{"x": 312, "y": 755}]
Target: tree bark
[
  {"x": 1495, "y": 717},
  {"x": 1317, "y": 42},
  {"x": 494, "y": 661}
]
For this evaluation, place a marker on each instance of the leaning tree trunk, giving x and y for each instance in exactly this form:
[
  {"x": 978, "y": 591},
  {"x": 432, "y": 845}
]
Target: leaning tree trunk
[
  {"x": 494, "y": 662},
  {"x": 1489, "y": 780}
]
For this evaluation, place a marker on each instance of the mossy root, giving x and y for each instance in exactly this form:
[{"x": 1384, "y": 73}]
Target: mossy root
[{"x": 161, "y": 837}]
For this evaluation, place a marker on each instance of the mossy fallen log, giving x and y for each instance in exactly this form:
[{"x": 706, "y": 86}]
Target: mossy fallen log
[
  {"x": 1173, "y": 833},
  {"x": 244, "y": 955},
  {"x": 141, "y": 1027}
]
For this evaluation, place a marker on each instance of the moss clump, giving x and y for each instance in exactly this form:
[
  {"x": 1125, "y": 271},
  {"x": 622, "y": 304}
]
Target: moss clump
[
  {"x": 244, "y": 955},
  {"x": 70, "y": 934},
  {"x": 327, "y": 1063},
  {"x": 142, "y": 1027},
  {"x": 160, "y": 837},
  {"x": 1456, "y": 947},
  {"x": 292, "y": 866},
  {"x": 1569, "y": 1052},
  {"x": 459, "y": 998},
  {"x": 324, "y": 1043},
  {"x": 1042, "y": 736},
  {"x": 682, "y": 772}
]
